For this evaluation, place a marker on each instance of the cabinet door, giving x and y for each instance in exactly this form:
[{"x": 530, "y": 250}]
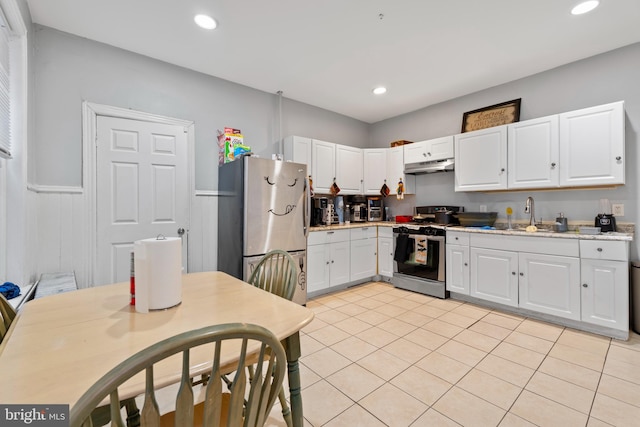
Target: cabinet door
[
  {"x": 494, "y": 276},
  {"x": 605, "y": 293},
  {"x": 395, "y": 171},
  {"x": 550, "y": 284},
  {"x": 440, "y": 148},
  {"x": 339, "y": 263},
  {"x": 592, "y": 146},
  {"x": 363, "y": 259},
  {"x": 324, "y": 165},
  {"x": 349, "y": 169},
  {"x": 533, "y": 153},
  {"x": 318, "y": 264},
  {"x": 375, "y": 170},
  {"x": 298, "y": 149},
  {"x": 481, "y": 160},
  {"x": 457, "y": 264},
  {"x": 416, "y": 152},
  {"x": 385, "y": 256}
]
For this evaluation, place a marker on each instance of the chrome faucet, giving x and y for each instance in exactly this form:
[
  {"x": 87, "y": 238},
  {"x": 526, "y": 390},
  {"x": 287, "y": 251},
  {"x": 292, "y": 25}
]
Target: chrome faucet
[{"x": 530, "y": 209}]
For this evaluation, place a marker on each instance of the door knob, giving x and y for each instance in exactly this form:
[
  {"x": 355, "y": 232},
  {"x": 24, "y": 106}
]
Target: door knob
[{"x": 180, "y": 231}]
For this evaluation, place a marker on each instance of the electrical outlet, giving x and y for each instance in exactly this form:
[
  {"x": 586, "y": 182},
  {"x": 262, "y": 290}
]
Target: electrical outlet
[
  {"x": 483, "y": 208},
  {"x": 617, "y": 209}
]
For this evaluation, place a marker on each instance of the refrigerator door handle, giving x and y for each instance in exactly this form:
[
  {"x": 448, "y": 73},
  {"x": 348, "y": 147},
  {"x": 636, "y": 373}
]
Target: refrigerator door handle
[{"x": 307, "y": 206}]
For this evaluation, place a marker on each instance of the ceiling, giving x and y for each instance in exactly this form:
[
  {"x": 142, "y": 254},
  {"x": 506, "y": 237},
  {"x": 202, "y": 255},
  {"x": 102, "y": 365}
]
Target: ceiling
[{"x": 332, "y": 53}]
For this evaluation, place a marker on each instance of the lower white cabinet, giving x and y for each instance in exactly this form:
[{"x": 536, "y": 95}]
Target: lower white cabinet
[
  {"x": 364, "y": 246},
  {"x": 580, "y": 280},
  {"x": 494, "y": 276},
  {"x": 385, "y": 251},
  {"x": 605, "y": 284},
  {"x": 328, "y": 259},
  {"x": 550, "y": 284},
  {"x": 457, "y": 262}
]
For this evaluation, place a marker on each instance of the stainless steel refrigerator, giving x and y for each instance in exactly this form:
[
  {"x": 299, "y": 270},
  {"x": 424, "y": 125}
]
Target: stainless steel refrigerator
[{"x": 263, "y": 205}]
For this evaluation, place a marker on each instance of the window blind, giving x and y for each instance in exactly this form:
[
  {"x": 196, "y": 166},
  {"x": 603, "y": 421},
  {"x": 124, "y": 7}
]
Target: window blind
[{"x": 5, "y": 91}]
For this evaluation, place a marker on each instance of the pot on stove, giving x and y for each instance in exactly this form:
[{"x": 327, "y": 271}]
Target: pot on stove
[{"x": 446, "y": 218}]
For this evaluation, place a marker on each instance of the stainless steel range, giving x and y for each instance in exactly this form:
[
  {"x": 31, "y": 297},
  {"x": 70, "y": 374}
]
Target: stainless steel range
[{"x": 419, "y": 251}]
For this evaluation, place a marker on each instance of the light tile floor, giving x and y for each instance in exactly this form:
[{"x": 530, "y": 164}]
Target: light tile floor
[{"x": 379, "y": 356}]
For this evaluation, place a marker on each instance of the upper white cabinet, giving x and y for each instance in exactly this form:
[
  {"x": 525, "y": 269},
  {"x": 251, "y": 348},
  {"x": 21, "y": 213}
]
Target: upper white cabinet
[
  {"x": 592, "y": 146},
  {"x": 323, "y": 160},
  {"x": 395, "y": 171},
  {"x": 374, "y": 169},
  {"x": 481, "y": 160},
  {"x": 298, "y": 149},
  {"x": 349, "y": 169},
  {"x": 580, "y": 148},
  {"x": 431, "y": 150},
  {"x": 533, "y": 153}
]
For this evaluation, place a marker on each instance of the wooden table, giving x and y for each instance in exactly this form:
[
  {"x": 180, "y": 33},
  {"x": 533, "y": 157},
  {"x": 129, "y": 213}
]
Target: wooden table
[{"x": 60, "y": 345}]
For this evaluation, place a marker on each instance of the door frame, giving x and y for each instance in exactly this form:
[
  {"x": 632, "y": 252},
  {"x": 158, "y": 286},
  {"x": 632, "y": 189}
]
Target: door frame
[{"x": 90, "y": 113}]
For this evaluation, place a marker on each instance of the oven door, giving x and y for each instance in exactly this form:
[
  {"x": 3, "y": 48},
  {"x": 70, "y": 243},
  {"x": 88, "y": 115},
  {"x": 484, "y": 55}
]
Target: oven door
[{"x": 420, "y": 256}]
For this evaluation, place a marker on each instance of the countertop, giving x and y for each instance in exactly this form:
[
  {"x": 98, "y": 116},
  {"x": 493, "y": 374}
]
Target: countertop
[{"x": 626, "y": 233}]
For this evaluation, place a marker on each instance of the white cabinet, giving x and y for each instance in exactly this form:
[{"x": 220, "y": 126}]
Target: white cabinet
[
  {"x": 533, "y": 153},
  {"x": 364, "y": 248},
  {"x": 298, "y": 149},
  {"x": 592, "y": 146},
  {"x": 323, "y": 160},
  {"x": 430, "y": 150},
  {"x": 385, "y": 251},
  {"x": 395, "y": 171},
  {"x": 494, "y": 276},
  {"x": 481, "y": 160},
  {"x": 605, "y": 283},
  {"x": 550, "y": 284},
  {"x": 349, "y": 169},
  {"x": 457, "y": 263},
  {"x": 328, "y": 259},
  {"x": 374, "y": 169}
]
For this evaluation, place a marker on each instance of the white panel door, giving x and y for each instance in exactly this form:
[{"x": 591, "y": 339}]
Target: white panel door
[
  {"x": 481, "y": 160},
  {"x": 457, "y": 265},
  {"x": 533, "y": 153},
  {"x": 142, "y": 190},
  {"x": 494, "y": 276},
  {"x": 323, "y": 158},
  {"x": 349, "y": 169},
  {"x": 375, "y": 170},
  {"x": 385, "y": 256},
  {"x": 605, "y": 293}
]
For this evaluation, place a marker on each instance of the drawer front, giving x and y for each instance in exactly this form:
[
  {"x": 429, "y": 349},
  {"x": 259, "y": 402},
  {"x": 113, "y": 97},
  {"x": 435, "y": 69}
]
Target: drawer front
[
  {"x": 533, "y": 244},
  {"x": 329, "y": 236},
  {"x": 364, "y": 233},
  {"x": 385, "y": 232},
  {"x": 598, "y": 249},
  {"x": 457, "y": 238}
]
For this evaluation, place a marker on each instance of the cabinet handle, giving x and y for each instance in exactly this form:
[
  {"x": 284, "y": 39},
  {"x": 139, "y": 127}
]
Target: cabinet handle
[
  {"x": 327, "y": 262},
  {"x": 456, "y": 238},
  {"x": 424, "y": 154},
  {"x": 584, "y": 285},
  {"x": 553, "y": 165},
  {"x": 618, "y": 158},
  {"x": 522, "y": 274},
  {"x": 599, "y": 249},
  {"x": 429, "y": 154},
  {"x": 502, "y": 170},
  {"x": 330, "y": 232},
  {"x": 331, "y": 261},
  {"x": 466, "y": 264},
  {"x": 513, "y": 273}
]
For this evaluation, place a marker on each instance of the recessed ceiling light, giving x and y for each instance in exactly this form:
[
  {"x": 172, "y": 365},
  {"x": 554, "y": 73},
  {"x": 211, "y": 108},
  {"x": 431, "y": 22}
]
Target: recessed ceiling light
[
  {"x": 584, "y": 7},
  {"x": 205, "y": 21},
  {"x": 380, "y": 90}
]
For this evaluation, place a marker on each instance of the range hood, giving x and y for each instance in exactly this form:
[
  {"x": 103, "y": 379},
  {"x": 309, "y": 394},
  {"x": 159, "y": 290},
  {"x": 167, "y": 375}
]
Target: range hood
[{"x": 429, "y": 167}]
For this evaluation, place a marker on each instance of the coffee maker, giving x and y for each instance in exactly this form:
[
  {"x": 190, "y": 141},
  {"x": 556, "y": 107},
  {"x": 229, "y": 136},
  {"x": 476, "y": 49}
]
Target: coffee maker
[{"x": 320, "y": 206}]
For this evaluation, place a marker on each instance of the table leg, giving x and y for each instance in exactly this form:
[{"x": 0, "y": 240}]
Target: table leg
[{"x": 292, "y": 349}]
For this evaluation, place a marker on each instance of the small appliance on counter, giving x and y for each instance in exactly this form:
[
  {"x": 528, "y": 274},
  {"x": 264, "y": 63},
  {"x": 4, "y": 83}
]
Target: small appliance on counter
[
  {"x": 374, "y": 208},
  {"x": 359, "y": 212},
  {"x": 561, "y": 223},
  {"x": 605, "y": 220},
  {"x": 319, "y": 214}
]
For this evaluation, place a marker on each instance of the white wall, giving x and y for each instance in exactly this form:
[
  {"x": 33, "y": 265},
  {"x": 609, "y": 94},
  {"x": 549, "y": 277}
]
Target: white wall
[{"x": 612, "y": 76}]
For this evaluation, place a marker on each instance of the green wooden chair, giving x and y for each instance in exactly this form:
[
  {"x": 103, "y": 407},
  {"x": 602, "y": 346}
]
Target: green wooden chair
[
  {"x": 242, "y": 405},
  {"x": 276, "y": 273},
  {"x": 7, "y": 314}
]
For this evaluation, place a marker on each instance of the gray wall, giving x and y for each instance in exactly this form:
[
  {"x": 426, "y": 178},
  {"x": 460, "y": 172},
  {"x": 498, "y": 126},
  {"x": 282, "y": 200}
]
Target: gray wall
[
  {"x": 69, "y": 69},
  {"x": 609, "y": 77}
]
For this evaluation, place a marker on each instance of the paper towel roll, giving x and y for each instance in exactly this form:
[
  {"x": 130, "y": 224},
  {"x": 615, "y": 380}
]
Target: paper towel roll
[{"x": 158, "y": 266}]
